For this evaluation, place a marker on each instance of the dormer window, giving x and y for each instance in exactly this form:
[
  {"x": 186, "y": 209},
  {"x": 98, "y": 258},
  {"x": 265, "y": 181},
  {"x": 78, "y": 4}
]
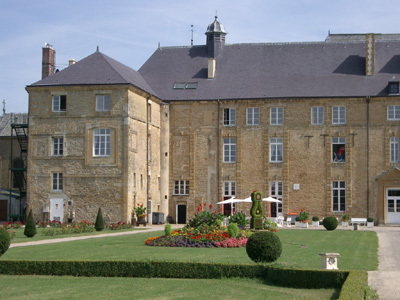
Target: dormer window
[
  {"x": 185, "y": 85},
  {"x": 393, "y": 88}
]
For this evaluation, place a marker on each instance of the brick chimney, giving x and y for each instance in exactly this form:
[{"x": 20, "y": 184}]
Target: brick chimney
[
  {"x": 370, "y": 55},
  {"x": 48, "y": 60}
]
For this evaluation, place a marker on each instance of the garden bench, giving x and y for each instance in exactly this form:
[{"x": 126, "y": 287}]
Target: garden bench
[{"x": 359, "y": 221}]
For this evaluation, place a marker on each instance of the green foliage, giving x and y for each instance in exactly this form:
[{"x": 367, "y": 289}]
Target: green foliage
[
  {"x": 298, "y": 219},
  {"x": 345, "y": 217},
  {"x": 330, "y": 223},
  {"x": 355, "y": 286},
  {"x": 206, "y": 217},
  {"x": 270, "y": 226},
  {"x": 238, "y": 218},
  {"x": 233, "y": 230},
  {"x": 140, "y": 210},
  {"x": 264, "y": 247},
  {"x": 4, "y": 241},
  {"x": 99, "y": 225},
  {"x": 315, "y": 218},
  {"x": 303, "y": 215},
  {"x": 30, "y": 226},
  {"x": 370, "y": 219},
  {"x": 168, "y": 229}
]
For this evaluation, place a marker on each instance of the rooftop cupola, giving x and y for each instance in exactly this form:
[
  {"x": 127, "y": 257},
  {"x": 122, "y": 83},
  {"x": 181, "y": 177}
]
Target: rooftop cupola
[{"x": 215, "y": 38}]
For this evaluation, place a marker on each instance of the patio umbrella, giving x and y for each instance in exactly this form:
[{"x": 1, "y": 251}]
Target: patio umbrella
[{"x": 270, "y": 199}]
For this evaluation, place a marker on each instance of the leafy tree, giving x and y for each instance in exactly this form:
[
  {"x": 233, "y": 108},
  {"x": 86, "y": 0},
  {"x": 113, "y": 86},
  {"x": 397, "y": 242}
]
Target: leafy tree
[
  {"x": 30, "y": 226},
  {"x": 99, "y": 225}
]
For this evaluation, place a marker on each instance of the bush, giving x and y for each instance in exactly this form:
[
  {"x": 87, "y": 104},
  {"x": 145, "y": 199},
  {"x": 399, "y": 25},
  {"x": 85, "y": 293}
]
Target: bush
[
  {"x": 298, "y": 219},
  {"x": 355, "y": 285},
  {"x": 30, "y": 226},
  {"x": 4, "y": 241},
  {"x": 264, "y": 247},
  {"x": 233, "y": 230},
  {"x": 99, "y": 225},
  {"x": 238, "y": 218},
  {"x": 315, "y": 218},
  {"x": 168, "y": 229},
  {"x": 330, "y": 223},
  {"x": 370, "y": 219}
]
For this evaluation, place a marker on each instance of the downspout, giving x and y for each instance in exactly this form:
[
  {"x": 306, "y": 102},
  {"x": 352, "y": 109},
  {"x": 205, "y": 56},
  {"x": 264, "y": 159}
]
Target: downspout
[
  {"x": 147, "y": 157},
  {"x": 368, "y": 191},
  {"x": 218, "y": 151},
  {"x": 11, "y": 174}
]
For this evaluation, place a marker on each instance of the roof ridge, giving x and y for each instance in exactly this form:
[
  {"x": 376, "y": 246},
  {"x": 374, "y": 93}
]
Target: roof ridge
[{"x": 107, "y": 58}]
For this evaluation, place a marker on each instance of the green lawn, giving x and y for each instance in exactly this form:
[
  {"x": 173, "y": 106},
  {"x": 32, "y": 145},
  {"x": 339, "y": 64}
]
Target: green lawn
[
  {"x": 48, "y": 287},
  {"x": 301, "y": 248}
]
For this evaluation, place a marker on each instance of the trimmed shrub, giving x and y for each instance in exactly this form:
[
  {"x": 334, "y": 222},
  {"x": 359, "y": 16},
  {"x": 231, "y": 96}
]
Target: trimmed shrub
[
  {"x": 4, "y": 241},
  {"x": 168, "y": 229},
  {"x": 330, "y": 223},
  {"x": 30, "y": 226},
  {"x": 355, "y": 286},
  {"x": 99, "y": 225},
  {"x": 315, "y": 218},
  {"x": 264, "y": 247},
  {"x": 233, "y": 230},
  {"x": 370, "y": 219}
]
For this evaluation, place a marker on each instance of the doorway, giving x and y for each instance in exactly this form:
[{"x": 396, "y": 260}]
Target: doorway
[
  {"x": 3, "y": 210},
  {"x": 393, "y": 205},
  {"x": 181, "y": 214}
]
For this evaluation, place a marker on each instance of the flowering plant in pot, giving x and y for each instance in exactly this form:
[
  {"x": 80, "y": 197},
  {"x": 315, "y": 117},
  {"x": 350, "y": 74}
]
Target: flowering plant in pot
[
  {"x": 345, "y": 220},
  {"x": 304, "y": 217}
]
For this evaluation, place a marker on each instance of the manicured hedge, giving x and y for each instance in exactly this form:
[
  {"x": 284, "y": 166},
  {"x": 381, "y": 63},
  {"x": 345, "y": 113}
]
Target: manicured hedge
[{"x": 355, "y": 286}]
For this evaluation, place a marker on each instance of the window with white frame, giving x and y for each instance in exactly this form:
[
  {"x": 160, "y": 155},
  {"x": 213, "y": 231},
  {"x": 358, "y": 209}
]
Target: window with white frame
[
  {"x": 229, "y": 150},
  {"x": 181, "y": 187},
  {"x": 103, "y": 102},
  {"x": 338, "y": 149},
  {"x": 59, "y": 103},
  {"x": 276, "y": 149},
  {"x": 102, "y": 142},
  {"x": 394, "y": 149},
  {"x": 276, "y": 191},
  {"x": 253, "y": 116},
  {"x": 57, "y": 181},
  {"x": 393, "y": 112},
  {"x": 338, "y": 196},
  {"x": 276, "y": 116},
  {"x": 229, "y": 116},
  {"x": 338, "y": 115},
  {"x": 229, "y": 188},
  {"x": 317, "y": 115},
  {"x": 58, "y": 146}
]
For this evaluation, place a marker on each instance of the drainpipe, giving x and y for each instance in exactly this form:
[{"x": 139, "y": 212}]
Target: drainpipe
[
  {"x": 218, "y": 151},
  {"x": 368, "y": 191},
  {"x": 149, "y": 211}
]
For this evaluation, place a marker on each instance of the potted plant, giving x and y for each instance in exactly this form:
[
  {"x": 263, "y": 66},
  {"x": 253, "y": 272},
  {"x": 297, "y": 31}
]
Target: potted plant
[
  {"x": 315, "y": 221},
  {"x": 370, "y": 222},
  {"x": 304, "y": 218},
  {"x": 297, "y": 222},
  {"x": 140, "y": 212},
  {"x": 345, "y": 220}
]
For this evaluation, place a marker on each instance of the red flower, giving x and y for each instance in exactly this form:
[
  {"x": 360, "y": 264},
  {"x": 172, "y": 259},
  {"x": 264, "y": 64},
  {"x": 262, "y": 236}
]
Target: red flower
[{"x": 210, "y": 206}]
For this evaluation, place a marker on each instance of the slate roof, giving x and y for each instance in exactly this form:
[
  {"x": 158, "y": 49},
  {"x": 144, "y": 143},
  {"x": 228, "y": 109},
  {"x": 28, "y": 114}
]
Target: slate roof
[
  {"x": 97, "y": 68},
  {"x": 7, "y": 119},
  {"x": 279, "y": 70}
]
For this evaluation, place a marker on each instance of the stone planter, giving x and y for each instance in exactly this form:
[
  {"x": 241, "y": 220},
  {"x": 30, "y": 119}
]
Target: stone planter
[
  {"x": 315, "y": 223},
  {"x": 304, "y": 225},
  {"x": 345, "y": 223},
  {"x": 370, "y": 224},
  {"x": 297, "y": 224}
]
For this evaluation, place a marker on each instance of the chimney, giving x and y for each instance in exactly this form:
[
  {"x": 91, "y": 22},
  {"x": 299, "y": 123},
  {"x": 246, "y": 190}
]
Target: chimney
[
  {"x": 71, "y": 62},
  {"x": 211, "y": 68},
  {"x": 48, "y": 60},
  {"x": 370, "y": 55}
]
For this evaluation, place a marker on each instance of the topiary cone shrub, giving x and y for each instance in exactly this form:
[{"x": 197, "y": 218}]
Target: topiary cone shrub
[
  {"x": 4, "y": 241},
  {"x": 330, "y": 223},
  {"x": 168, "y": 229},
  {"x": 264, "y": 246},
  {"x": 99, "y": 225},
  {"x": 30, "y": 226},
  {"x": 233, "y": 230}
]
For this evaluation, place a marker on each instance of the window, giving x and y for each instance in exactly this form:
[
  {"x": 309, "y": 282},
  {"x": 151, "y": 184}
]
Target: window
[
  {"x": 394, "y": 149},
  {"x": 338, "y": 149},
  {"x": 338, "y": 115},
  {"x": 185, "y": 85},
  {"x": 253, "y": 116},
  {"x": 102, "y": 142},
  {"x": 339, "y": 196},
  {"x": 102, "y": 102},
  {"x": 58, "y": 146},
  {"x": 229, "y": 150},
  {"x": 276, "y": 115},
  {"x": 229, "y": 188},
  {"x": 393, "y": 112},
  {"x": 181, "y": 187},
  {"x": 276, "y": 149},
  {"x": 57, "y": 181},
  {"x": 393, "y": 87},
  {"x": 317, "y": 115},
  {"x": 276, "y": 191},
  {"x": 60, "y": 103},
  {"x": 229, "y": 116}
]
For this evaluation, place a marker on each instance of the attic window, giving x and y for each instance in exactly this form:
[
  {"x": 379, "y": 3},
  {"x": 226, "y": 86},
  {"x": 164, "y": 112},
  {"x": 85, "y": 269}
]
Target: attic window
[
  {"x": 393, "y": 87},
  {"x": 185, "y": 85}
]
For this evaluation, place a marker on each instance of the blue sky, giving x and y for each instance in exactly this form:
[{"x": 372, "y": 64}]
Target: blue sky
[{"x": 130, "y": 30}]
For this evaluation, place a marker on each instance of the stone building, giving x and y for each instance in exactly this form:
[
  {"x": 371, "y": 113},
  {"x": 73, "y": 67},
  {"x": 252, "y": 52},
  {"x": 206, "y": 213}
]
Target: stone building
[{"x": 313, "y": 124}]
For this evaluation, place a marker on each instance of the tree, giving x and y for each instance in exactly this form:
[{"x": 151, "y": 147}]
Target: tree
[
  {"x": 99, "y": 225},
  {"x": 30, "y": 226}
]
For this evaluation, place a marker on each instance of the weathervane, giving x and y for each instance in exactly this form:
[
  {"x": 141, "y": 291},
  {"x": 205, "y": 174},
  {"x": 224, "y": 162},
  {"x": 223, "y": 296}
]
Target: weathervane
[{"x": 4, "y": 106}]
